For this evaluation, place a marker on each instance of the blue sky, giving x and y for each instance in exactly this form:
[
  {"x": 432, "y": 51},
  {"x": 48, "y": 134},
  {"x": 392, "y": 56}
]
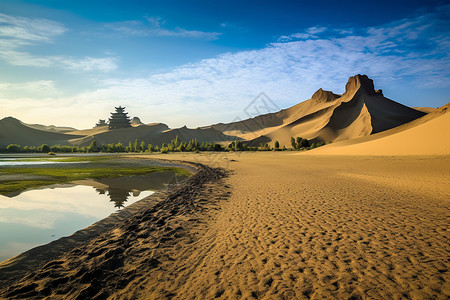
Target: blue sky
[{"x": 202, "y": 62}]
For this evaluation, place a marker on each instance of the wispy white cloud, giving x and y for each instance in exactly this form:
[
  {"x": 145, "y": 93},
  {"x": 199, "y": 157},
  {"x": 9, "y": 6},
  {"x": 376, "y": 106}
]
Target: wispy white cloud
[
  {"x": 211, "y": 90},
  {"x": 17, "y": 33},
  {"x": 40, "y": 88},
  {"x": 31, "y": 29},
  {"x": 310, "y": 33},
  {"x": 153, "y": 26}
]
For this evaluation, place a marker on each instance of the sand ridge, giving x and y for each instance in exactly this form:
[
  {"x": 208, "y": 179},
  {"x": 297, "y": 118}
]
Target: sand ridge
[
  {"x": 327, "y": 117},
  {"x": 428, "y": 135}
]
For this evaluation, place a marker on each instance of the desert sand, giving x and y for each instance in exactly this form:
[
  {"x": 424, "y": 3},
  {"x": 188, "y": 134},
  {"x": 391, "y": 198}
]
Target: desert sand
[
  {"x": 277, "y": 225},
  {"x": 327, "y": 116},
  {"x": 428, "y": 135}
]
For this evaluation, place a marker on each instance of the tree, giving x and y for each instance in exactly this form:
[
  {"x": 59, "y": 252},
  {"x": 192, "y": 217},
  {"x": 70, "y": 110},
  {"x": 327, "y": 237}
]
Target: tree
[
  {"x": 142, "y": 146},
  {"x": 13, "y": 148},
  {"x": 293, "y": 144},
  {"x": 44, "y": 148},
  {"x": 299, "y": 142},
  {"x": 238, "y": 146},
  {"x": 277, "y": 145},
  {"x": 120, "y": 147},
  {"x": 92, "y": 147},
  {"x": 182, "y": 147},
  {"x": 304, "y": 143},
  {"x": 150, "y": 148},
  {"x": 135, "y": 146}
]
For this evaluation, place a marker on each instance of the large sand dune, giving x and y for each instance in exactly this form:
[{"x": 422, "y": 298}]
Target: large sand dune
[
  {"x": 360, "y": 111},
  {"x": 428, "y": 135},
  {"x": 12, "y": 131}
]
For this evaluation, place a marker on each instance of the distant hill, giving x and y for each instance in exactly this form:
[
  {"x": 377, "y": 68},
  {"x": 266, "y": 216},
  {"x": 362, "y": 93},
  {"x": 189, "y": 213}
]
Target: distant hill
[
  {"x": 51, "y": 128},
  {"x": 329, "y": 117},
  {"x": 155, "y": 134},
  {"x": 136, "y": 122},
  {"x": 12, "y": 131}
]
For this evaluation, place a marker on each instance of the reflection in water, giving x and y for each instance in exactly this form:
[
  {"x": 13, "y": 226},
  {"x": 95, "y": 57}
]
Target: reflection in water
[
  {"x": 118, "y": 196},
  {"x": 119, "y": 189},
  {"x": 36, "y": 217}
]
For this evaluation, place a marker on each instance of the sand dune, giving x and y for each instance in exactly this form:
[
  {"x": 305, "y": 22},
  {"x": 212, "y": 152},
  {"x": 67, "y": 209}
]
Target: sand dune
[
  {"x": 329, "y": 117},
  {"x": 51, "y": 128},
  {"x": 155, "y": 134},
  {"x": 12, "y": 131},
  {"x": 425, "y": 109},
  {"x": 428, "y": 135}
]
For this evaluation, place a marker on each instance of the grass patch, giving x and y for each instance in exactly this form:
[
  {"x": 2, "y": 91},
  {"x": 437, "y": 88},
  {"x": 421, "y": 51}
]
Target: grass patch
[
  {"x": 65, "y": 175},
  {"x": 22, "y": 185},
  {"x": 65, "y": 159}
]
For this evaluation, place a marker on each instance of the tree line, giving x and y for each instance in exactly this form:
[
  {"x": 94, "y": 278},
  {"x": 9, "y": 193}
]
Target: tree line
[{"x": 175, "y": 145}]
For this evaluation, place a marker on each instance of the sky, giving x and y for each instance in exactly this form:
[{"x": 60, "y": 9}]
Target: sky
[{"x": 195, "y": 63}]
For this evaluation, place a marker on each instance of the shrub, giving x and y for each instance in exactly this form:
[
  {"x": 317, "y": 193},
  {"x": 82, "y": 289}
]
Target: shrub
[
  {"x": 293, "y": 144},
  {"x": 13, "y": 148},
  {"x": 44, "y": 148},
  {"x": 277, "y": 145}
]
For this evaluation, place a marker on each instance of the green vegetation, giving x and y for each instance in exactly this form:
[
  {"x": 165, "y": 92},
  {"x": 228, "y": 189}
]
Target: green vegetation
[
  {"x": 55, "y": 175},
  {"x": 174, "y": 146},
  {"x": 300, "y": 143},
  {"x": 22, "y": 185}
]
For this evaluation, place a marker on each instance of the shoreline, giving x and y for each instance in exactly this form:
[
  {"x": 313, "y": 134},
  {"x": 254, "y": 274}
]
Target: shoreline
[{"x": 36, "y": 257}]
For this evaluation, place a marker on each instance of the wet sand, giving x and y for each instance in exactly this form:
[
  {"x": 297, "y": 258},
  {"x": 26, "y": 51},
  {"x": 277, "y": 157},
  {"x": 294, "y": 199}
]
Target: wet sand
[{"x": 278, "y": 226}]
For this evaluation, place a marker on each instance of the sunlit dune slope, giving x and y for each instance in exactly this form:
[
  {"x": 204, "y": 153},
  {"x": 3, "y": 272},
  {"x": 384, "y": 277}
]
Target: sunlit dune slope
[
  {"x": 329, "y": 117},
  {"x": 428, "y": 135}
]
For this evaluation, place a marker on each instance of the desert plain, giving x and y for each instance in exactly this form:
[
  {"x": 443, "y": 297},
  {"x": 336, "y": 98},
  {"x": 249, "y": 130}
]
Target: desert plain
[{"x": 277, "y": 225}]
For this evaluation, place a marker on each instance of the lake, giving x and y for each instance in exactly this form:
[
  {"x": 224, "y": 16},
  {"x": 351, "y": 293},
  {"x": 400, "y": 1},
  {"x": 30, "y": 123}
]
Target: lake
[{"x": 39, "y": 216}]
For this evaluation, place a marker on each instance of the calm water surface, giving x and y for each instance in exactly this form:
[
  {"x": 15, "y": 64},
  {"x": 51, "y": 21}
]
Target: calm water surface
[
  {"x": 21, "y": 161},
  {"x": 36, "y": 217}
]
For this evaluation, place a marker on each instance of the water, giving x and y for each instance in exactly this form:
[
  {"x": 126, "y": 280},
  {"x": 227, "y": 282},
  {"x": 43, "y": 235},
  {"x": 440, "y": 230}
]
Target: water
[
  {"x": 9, "y": 162},
  {"x": 36, "y": 217}
]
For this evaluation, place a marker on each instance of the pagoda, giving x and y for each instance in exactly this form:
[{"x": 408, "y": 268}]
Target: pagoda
[
  {"x": 101, "y": 123},
  {"x": 119, "y": 119}
]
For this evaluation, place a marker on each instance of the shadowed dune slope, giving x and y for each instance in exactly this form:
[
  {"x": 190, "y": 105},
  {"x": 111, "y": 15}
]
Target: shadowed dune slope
[
  {"x": 360, "y": 111},
  {"x": 424, "y": 136},
  {"x": 12, "y": 131},
  {"x": 51, "y": 128},
  {"x": 155, "y": 134}
]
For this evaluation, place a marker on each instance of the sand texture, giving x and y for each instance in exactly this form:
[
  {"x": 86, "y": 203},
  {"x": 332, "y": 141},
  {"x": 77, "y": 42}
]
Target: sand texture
[{"x": 279, "y": 226}]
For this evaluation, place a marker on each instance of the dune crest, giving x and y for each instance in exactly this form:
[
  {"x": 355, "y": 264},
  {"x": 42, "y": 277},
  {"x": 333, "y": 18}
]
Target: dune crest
[
  {"x": 424, "y": 136},
  {"x": 360, "y": 111}
]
